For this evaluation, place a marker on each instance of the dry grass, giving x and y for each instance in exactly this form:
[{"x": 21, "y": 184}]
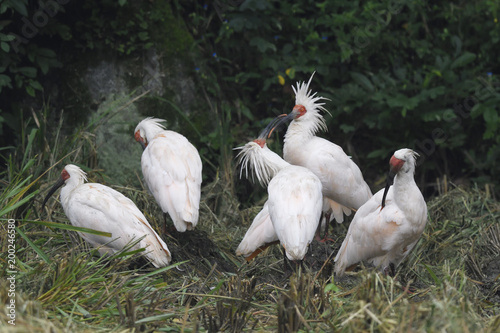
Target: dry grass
[{"x": 449, "y": 283}]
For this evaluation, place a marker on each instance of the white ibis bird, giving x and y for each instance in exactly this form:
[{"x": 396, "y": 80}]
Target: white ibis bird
[
  {"x": 96, "y": 206},
  {"x": 295, "y": 198},
  {"x": 259, "y": 235},
  {"x": 387, "y": 227},
  {"x": 171, "y": 167},
  {"x": 341, "y": 178}
]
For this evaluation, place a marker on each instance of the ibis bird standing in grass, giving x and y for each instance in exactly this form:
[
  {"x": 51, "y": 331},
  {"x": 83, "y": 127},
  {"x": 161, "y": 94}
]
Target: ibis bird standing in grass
[
  {"x": 341, "y": 178},
  {"x": 387, "y": 227},
  {"x": 295, "y": 199},
  {"x": 98, "y": 207},
  {"x": 171, "y": 167}
]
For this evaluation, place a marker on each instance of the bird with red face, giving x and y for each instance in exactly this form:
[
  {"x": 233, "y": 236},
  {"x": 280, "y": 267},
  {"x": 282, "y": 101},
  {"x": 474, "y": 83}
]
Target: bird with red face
[
  {"x": 98, "y": 207},
  {"x": 341, "y": 177},
  {"x": 388, "y": 226},
  {"x": 342, "y": 180},
  {"x": 172, "y": 170}
]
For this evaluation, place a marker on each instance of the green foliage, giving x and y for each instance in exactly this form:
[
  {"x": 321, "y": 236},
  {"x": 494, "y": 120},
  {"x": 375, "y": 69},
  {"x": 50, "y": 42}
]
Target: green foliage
[
  {"x": 61, "y": 283},
  {"x": 122, "y": 27},
  {"x": 398, "y": 73},
  {"x": 23, "y": 59}
]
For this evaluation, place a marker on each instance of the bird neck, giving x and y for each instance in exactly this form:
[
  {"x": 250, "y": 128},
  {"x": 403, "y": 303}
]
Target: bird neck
[
  {"x": 406, "y": 191},
  {"x": 298, "y": 132},
  {"x": 263, "y": 162},
  {"x": 71, "y": 184},
  {"x": 270, "y": 164},
  {"x": 302, "y": 129}
]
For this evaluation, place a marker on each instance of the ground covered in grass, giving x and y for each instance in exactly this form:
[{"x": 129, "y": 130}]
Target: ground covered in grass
[{"x": 449, "y": 283}]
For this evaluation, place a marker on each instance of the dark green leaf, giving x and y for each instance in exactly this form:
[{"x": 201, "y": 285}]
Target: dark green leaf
[
  {"x": 463, "y": 60},
  {"x": 28, "y": 71},
  {"x": 5, "y": 47},
  {"x": 362, "y": 81}
]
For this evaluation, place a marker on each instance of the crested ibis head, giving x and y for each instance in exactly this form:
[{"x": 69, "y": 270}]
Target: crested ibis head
[
  {"x": 70, "y": 174},
  {"x": 403, "y": 160},
  {"x": 147, "y": 129}
]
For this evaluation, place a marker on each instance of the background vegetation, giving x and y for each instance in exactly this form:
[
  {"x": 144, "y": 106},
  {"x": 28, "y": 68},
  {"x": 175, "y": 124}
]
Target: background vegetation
[{"x": 397, "y": 73}]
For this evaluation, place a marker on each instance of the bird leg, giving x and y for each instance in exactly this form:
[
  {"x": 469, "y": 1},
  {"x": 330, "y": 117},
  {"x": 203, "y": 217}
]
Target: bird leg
[
  {"x": 393, "y": 269},
  {"x": 390, "y": 270},
  {"x": 165, "y": 230},
  {"x": 300, "y": 266},
  {"x": 327, "y": 226},
  {"x": 165, "y": 223},
  {"x": 285, "y": 261}
]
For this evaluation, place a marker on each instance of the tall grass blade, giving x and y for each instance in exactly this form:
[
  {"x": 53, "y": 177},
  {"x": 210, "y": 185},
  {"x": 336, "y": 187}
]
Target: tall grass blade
[
  {"x": 433, "y": 275},
  {"x": 35, "y": 248},
  {"x": 70, "y": 227}
]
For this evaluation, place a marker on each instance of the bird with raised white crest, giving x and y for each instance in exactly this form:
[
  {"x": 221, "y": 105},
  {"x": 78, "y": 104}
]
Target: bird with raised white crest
[
  {"x": 342, "y": 180},
  {"x": 99, "y": 207},
  {"x": 172, "y": 168},
  {"x": 388, "y": 226},
  {"x": 294, "y": 198}
]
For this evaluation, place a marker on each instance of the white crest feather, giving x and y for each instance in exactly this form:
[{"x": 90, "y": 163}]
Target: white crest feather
[
  {"x": 304, "y": 96},
  {"x": 262, "y": 163},
  {"x": 76, "y": 173},
  {"x": 150, "y": 127}
]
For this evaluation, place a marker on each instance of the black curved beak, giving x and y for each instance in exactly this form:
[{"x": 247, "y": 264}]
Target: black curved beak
[
  {"x": 275, "y": 125},
  {"x": 388, "y": 183},
  {"x": 54, "y": 188}
]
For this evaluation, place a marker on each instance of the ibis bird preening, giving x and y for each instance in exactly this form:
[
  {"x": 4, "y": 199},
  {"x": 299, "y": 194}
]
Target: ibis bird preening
[
  {"x": 294, "y": 200},
  {"x": 388, "y": 226},
  {"x": 171, "y": 167},
  {"x": 96, "y": 206}
]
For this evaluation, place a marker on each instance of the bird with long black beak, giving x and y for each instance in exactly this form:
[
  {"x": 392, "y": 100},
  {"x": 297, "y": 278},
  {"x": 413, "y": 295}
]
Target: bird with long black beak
[
  {"x": 395, "y": 166},
  {"x": 388, "y": 226},
  {"x": 98, "y": 207},
  {"x": 343, "y": 184}
]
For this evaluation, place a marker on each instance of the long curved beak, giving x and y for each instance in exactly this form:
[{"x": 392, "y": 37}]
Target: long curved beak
[
  {"x": 54, "y": 188},
  {"x": 275, "y": 125},
  {"x": 388, "y": 183}
]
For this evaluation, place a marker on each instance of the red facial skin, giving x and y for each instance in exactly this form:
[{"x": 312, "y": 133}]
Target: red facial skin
[
  {"x": 300, "y": 110},
  {"x": 138, "y": 138},
  {"x": 396, "y": 164},
  {"x": 64, "y": 174},
  {"x": 260, "y": 142}
]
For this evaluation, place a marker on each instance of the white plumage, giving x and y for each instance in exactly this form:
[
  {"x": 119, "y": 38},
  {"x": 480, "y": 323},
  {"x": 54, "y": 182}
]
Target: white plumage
[
  {"x": 260, "y": 234},
  {"x": 101, "y": 208},
  {"x": 172, "y": 168},
  {"x": 385, "y": 235},
  {"x": 294, "y": 202},
  {"x": 341, "y": 178}
]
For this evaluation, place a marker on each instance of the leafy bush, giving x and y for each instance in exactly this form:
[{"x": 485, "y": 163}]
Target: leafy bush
[{"x": 398, "y": 73}]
